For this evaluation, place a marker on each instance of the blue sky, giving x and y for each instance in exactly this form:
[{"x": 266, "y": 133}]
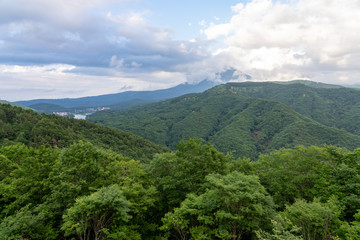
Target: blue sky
[
  {"x": 185, "y": 17},
  {"x": 75, "y": 48}
]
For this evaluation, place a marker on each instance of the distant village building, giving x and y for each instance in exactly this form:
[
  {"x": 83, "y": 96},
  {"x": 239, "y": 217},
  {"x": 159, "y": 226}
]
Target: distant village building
[
  {"x": 62, "y": 113},
  {"x": 80, "y": 116}
]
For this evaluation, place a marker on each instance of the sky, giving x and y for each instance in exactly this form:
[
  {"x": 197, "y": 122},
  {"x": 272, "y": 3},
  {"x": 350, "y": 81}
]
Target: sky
[{"x": 76, "y": 48}]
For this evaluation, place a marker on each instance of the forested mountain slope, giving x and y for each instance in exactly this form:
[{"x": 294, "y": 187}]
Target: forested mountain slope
[
  {"x": 231, "y": 122},
  {"x": 330, "y": 105},
  {"x": 13, "y": 104},
  {"x": 25, "y": 126}
]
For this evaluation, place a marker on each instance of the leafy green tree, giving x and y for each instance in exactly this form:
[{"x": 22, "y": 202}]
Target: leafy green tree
[
  {"x": 27, "y": 223},
  {"x": 27, "y": 183},
  {"x": 243, "y": 165},
  {"x": 7, "y": 167},
  {"x": 352, "y": 230},
  {"x": 179, "y": 173},
  {"x": 23, "y": 186},
  {"x": 345, "y": 185},
  {"x": 83, "y": 169},
  {"x": 300, "y": 173},
  {"x": 232, "y": 207},
  {"x": 282, "y": 229},
  {"x": 91, "y": 216},
  {"x": 315, "y": 219}
]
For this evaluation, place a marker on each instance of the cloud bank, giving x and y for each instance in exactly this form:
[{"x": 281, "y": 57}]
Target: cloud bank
[
  {"x": 104, "y": 47},
  {"x": 73, "y": 48},
  {"x": 284, "y": 40}
]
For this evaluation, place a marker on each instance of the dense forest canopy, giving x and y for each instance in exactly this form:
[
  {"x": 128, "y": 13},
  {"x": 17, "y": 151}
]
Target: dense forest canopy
[{"x": 194, "y": 192}]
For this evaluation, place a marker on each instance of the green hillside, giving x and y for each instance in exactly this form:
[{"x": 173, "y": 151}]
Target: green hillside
[
  {"x": 248, "y": 126},
  {"x": 13, "y": 104},
  {"x": 25, "y": 126},
  {"x": 48, "y": 108},
  {"x": 335, "y": 107}
]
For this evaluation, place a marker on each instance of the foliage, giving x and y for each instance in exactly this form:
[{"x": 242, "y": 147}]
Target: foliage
[
  {"x": 282, "y": 229},
  {"x": 352, "y": 231},
  {"x": 26, "y": 181},
  {"x": 315, "y": 219},
  {"x": 91, "y": 216},
  {"x": 40, "y": 184},
  {"x": 179, "y": 173},
  {"x": 45, "y": 193},
  {"x": 232, "y": 207},
  {"x": 289, "y": 174},
  {"x": 305, "y": 173},
  {"x": 27, "y": 224},
  {"x": 25, "y": 126}
]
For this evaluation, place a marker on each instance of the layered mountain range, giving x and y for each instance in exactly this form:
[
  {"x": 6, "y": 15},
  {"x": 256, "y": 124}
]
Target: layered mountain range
[
  {"x": 128, "y": 99},
  {"x": 249, "y": 118},
  {"x": 121, "y": 100}
]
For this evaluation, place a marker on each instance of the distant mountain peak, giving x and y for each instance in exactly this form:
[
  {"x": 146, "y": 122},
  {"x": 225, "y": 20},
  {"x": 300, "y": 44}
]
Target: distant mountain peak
[{"x": 232, "y": 75}]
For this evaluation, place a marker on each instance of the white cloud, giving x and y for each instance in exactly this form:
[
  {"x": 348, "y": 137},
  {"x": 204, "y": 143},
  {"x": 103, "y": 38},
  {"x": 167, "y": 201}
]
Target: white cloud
[
  {"x": 87, "y": 33},
  {"x": 296, "y": 38},
  {"x": 217, "y": 30},
  {"x": 238, "y": 7}
]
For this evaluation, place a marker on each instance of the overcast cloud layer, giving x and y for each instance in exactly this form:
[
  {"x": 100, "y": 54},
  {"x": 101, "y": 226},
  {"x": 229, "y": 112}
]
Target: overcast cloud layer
[{"x": 74, "y": 48}]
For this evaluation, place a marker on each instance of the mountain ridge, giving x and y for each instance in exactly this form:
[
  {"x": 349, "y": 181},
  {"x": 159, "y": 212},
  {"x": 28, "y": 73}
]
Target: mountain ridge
[
  {"x": 229, "y": 120},
  {"x": 333, "y": 107},
  {"x": 115, "y": 98}
]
